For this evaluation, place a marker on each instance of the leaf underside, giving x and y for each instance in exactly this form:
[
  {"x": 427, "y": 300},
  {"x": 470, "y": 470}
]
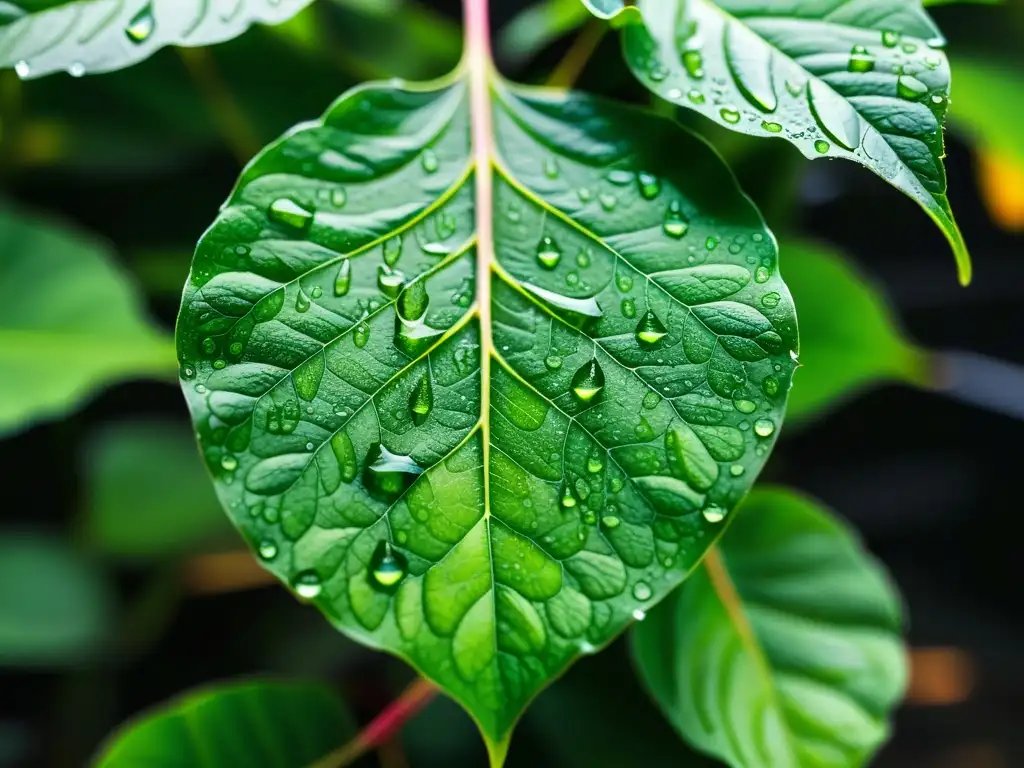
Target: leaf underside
[
  {"x": 40, "y": 37},
  {"x": 783, "y": 649},
  {"x": 330, "y": 351},
  {"x": 863, "y": 81}
]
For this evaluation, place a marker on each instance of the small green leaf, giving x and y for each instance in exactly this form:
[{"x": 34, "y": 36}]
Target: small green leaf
[
  {"x": 485, "y": 463},
  {"x": 849, "y": 337},
  {"x": 257, "y": 724},
  {"x": 148, "y": 495},
  {"x": 70, "y": 323},
  {"x": 55, "y": 606},
  {"x": 91, "y": 36},
  {"x": 784, "y": 648},
  {"x": 861, "y": 81}
]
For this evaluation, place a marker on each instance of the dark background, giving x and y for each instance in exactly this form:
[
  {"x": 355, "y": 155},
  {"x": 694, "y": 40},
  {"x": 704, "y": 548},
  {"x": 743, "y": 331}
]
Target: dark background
[{"x": 931, "y": 482}]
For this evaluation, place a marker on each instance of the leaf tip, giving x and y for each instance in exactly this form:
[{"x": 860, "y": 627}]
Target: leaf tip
[{"x": 497, "y": 750}]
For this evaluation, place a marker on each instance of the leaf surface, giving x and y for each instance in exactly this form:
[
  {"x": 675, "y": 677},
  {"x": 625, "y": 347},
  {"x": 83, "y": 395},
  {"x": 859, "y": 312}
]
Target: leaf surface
[
  {"x": 70, "y": 322},
  {"x": 864, "y": 81},
  {"x": 783, "y": 648},
  {"x": 260, "y": 724},
  {"x": 455, "y": 427},
  {"x": 40, "y": 37}
]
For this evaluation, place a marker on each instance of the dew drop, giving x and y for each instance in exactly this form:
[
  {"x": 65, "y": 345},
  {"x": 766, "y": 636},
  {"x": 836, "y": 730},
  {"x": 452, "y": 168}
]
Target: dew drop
[
  {"x": 421, "y": 401},
  {"x": 713, "y": 513},
  {"x": 77, "y": 69},
  {"x": 583, "y": 259},
  {"x": 730, "y": 114},
  {"x": 548, "y": 252},
  {"x": 390, "y": 281},
  {"x": 307, "y": 584},
  {"x": 693, "y": 62},
  {"x": 584, "y": 194},
  {"x": 890, "y": 39},
  {"x": 553, "y": 362},
  {"x": 608, "y": 201},
  {"x": 910, "y": 88},
  {"x": 619, "y": 177},
  {"x": 229, "y": 462},
  {"x": 392, "y": 250},
  {"x": 302, "y": 302},
  {"x": 594, "y": 465},
  {"x": 22, "y": 69},
  {"x": 737, "y": 470},
  {"x": 628, "y": 308},
  {"x": 639, "y": 614},
  {"x": 770, "y": 385},
  {"x": 762, "y": 275},
  {"x": 711, "y": 243},
  {"x": 835, "y": 116},
  {"x": 745, "y": 406},
  {"x": 821, "y": 147},
  {"x": 343, "y": 281},
  {"x": 268, "y": 550},
  {"x": 650, "y": 330},
  {"x": 624, "y": 282},
  {"x": 860, "y": 60},
  {"x": 650, "y": 185},
  {"x": 338, "y": 197},
  {"x": 642, "y": 591},
  {"x": 695, "y": 96},
  {"x": 771, "y": 300},
  {"x": 651, "y": 400},
  {"x": 764, "y": 427},
  {"x": 141, "y": 25},
  {"x": 771, "y": 127},
  {"x": 568, "y": 500},
  {"x": 675, "y": 224},
  {"x": 429, "y": 161},
  {"x": 387, "y": 566},
  {"x": 361, "y": 335},
  {"x": 551, "y": 169},
  {"x": 588, "y": 381},
  {"x": 288, "y": 213},
  {"x": 751, "y": 65}
]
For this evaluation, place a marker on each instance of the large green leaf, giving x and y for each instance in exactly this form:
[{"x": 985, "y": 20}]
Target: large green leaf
[
  {"x": 39, "y": 37},
  {"x": 69, "y": 323},
  {"x": 485, "y": 402},
  {"x": 56, "y": 606},
  {"x": 849, "y": 338},
  {"x": 147, "y": 493},
  {"x": 864, "y": 81},
  {"x": 258, "y": 724},
  {"x": 784, "y": 648}
]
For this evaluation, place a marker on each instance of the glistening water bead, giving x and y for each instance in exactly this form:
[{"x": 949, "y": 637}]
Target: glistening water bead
[
  {"x": 388, "y": 566},
  {"x": 650, "y": 330},
  {"x": 588, "y": 381},
  {"x": 548, "y": 253}
]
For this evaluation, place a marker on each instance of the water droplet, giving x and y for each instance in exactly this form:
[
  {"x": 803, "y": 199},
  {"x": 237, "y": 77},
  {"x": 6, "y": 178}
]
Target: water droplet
[
  {"x": 650, "y": 330},
  {"x": 730, "y": 114},
  {"x": 209, "y": 346},
  {"x": 429, "y": 161},
  {"x": 624, "y": 282},
  {"x": 389, "y": 474},
  {"x": 22, "y": 69},
  {"x": 387, "y": 566},
  {"x": 553, "y": 362},
  {"x": 649, "y": 185},
  {"x": 187, "y": 372},
  {"x": 307, "y": 585},
  {"x": 288, "y": 213},
  {"x": 695, "y": 96},
  {"x": 642, "y": 591},
  {"x": 713, "y": 513},
  {"x": 229, "y": 462},
  {"x": 762, "y": 275},
  {"x": 421, "y": 401},
  {"x": 584, "y": 194},
  {"x": 643, "y": 430},
  {"x": 268, "y": 550},
  {"x": 651, "y": 400},
  {"x": 616, "y": 484},
  {"x": 745, "y": 406},
  {"x": 583, "y": 259},
  {"x": 764, "y": 427},
  {"x": 860, "y": 59},
  {"x": 693, "y": 62},
  {"x": 343, "y": 281},
  {"x": 551, "y": 169},
  {"x": 588, "y": 381},
  {"x": 675, "y": 224},
  {"x": 890, "y": 39},
  {"x": 338, "y": 197},
  {"x": 910, "y": 88},
  {"x": 619, "y": 177},
  {"x": 572, "y": 278},
  {"x": 141, "y": 25},
  {"x": 77, "y": 69},
  {"x": 608, "y": 202},
  {"x": 361, "y": 335},
  {"x": 611, "y": 522},
  {"x": 392, "y": 250},
  {"x": 711, "y": 243},
  {"x": 316, "y": 292},
  {"x": 771, "y": 127},
  {"x": 657, "y": 71},
  {"x": 548, "y": 252},
  {"x": 301, "y": 301},
  {"x": 639, "y": 615},
  {"x": 628, "y": 307},
  {"x": 594, "y": 465},
  {"x": 821, "y": 146},
  {"x": 909, "y": 47},
  {"x": 568, "y": 500},
  {"x": 390, "y": 281},
  {"x": 736, "y": 470},
  {"x": 770, "y": 385},
  {"x": 938, "y": 99},
  {"x": 771, "y": 300}
]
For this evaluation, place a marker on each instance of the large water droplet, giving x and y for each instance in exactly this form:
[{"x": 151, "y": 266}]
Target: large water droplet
[
  {"x": 730, "y": 114},
  {"x": 650, "y": 330},
  {"x": 713, "y": 513},
  {"x": 414, "y": 337},
  {"x": 290, "y": 214},
  {"x": 388, "y": 566},
  {"x": 751, "y": 64},
  {"x": 860, "y": 59},
  {"x": 588, "y": 381},
  {"x": 548, "y": 252},
  {"x": 392, "y": 250},
  {"x": 764, "y": 427},
  {"x": 307, "y": 584},
  {"x": 649, "y": 185},
  {"x": 771, "y": 127},
  {"x": 594, "y": 465},
  {"x": 343, "y": 281},
  {"x": 890, "y": 39},
  {"x": 770, "y": 385},
  {"x": 642, "y": 591},
  {"x": 693, "y": 62},
  {"x": 822, "y": 147},
  {"x": 910, "y": 88},
  {"x": 361, "y": 335},
  {"x": 628, "y": 308},
  {"x": 141, "y": 25},
  {"x": 553, "y": 362},
  {"x": 421, "y": 401},
  {"x": 771, "y": 300},
  {"x": 624, "y": 282},
  {"x": 675, "y": 223},
  {"x": 22, "y": 69},
  {"x": 77, "y": 69},
  {"x": 267, "y": 549},
  {"x": 390, "y": 281},
  {"x": 611, "y": 522},
  {"x": 568, "y": 500},
  {"x": 619, "y": 177},
  {"x": 835, "y": 116},
  {"x": 302, "y": 302},
  {"x": 389, "y": 474}
]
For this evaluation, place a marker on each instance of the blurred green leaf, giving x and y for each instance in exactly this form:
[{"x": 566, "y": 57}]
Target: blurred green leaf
[
  {"x": 55, "y": 605},
  {"x": 39, "y": 37},
  {"x": 148, "y": 493},
  {"x": 783, "y": 648},
  {"x": 70, "y": 322},
  {"x": 255, "y": 724},
  {"x": 930, "y": 3},
  {"x": 537, "y": 27},
  {"x": 986, "y": 104},
  {"x": 849, "y": 338}
]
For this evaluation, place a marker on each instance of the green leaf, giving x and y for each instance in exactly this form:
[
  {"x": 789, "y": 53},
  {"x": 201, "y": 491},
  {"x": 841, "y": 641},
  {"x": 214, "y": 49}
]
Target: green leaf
[
  {"x": 55, "y": 606},
  {"x": 345, "y": 325},
  {"x": 862, "y": 81},
  {"x": 39, "y": 37},
  {"x": 784, "y": 648},
  {"x": 148, "y": 494},
  {"x": 70, "y": 323},
  {"x": 537, "y": 26},
  {"x": 849, "y": 337},
  {"x": 258, "y": 724}
]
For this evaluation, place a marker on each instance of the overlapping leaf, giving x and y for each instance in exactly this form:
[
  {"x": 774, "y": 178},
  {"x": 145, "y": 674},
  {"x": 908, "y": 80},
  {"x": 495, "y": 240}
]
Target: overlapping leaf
[
  {"x": 487, "y": 501},
  {"x": 784, "y": 648},
  {"x": 39, "y": 37},
  {"x": 864, "y": 81}
]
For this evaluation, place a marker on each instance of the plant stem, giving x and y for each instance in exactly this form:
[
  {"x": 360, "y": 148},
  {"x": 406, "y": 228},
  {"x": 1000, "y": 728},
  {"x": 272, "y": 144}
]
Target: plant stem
[
  {"x": 569, "y": 69},
  {"x": 383, "y": 727}
]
